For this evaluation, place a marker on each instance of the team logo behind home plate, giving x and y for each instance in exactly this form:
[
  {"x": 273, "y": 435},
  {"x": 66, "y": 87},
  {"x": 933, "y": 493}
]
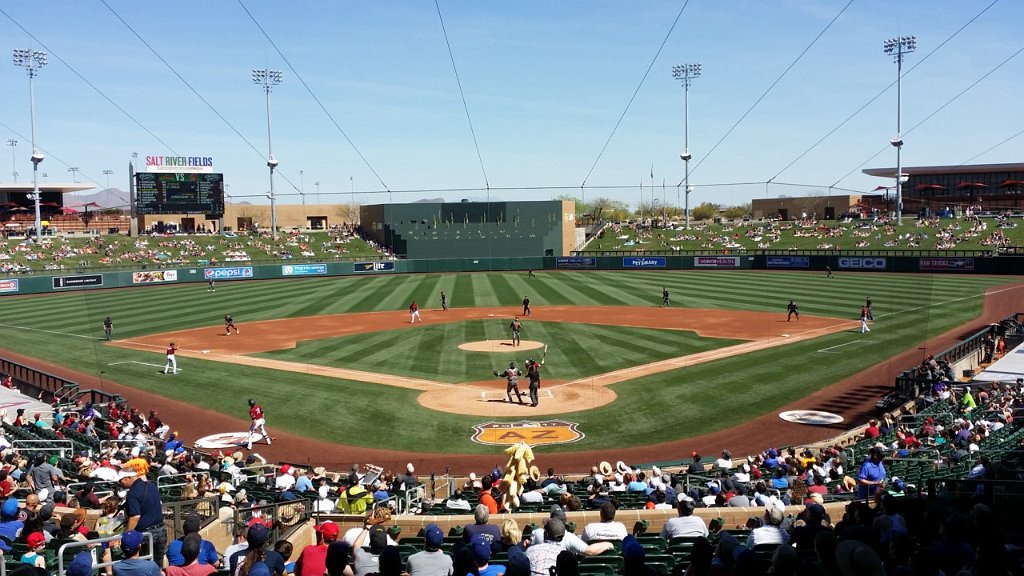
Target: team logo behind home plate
[
  {"x": 227, "y": 440},
  {"x": 534, "y": 433}
]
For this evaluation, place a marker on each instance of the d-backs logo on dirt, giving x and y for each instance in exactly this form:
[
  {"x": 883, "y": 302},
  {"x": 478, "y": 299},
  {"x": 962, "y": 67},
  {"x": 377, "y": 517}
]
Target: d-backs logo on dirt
[
  {"x": 534, "y": 433},
  {"x": 227, "y": 440}
]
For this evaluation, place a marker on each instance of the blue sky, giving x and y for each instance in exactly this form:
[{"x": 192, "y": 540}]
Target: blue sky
[{"x": 544, "y": 82}]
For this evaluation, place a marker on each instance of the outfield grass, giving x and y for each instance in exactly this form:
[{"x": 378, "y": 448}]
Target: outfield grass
[
  {"x": 66, "y": 329},
  {"x": 431, "y": 352}
]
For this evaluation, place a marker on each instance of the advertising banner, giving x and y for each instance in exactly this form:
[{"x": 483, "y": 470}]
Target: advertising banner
[
  {"x": 227, "y": 273},
  {"x": 716, "y": 261},
  {"x": 303, "y": 269},
  {"x": 643, "y": 262},
  {"x": 8, "y": 285},
  {"x": 789, "y": 262},
  {"x": 83, "y": 281},
  {"x": 862, "y": 263},
  {"x": 946, "y": 264},
  {"x": 154, "y": 276},
  {"x": 576, "y": 262},
  {"x": 377, "y": 266}
]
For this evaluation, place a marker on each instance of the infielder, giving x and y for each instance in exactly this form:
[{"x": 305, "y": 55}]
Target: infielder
[
  {"x": 108, "y": 328},
  {"x": 664, "y": 297},
  {"x": 515, "y": 327},
  {"x": 792, "y": 310},
  {"x": 526, "y": 306},
  {"x": 229, "y": 324},
  {"x": 511, "y": 374},
  {"x": 171, "y": 364},
  {"x": 414, "y": 313},
  {"x": 444, "y": 301},
  {"x": 864, "y": 320},
  {"x": 257, "y": 422}
]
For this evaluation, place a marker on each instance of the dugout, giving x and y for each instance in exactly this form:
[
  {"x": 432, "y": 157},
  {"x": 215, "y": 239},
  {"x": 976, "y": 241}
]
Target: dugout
[{"x": 474, "y": 229}]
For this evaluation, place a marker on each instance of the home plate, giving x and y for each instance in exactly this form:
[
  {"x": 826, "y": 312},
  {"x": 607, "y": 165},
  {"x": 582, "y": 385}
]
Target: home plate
[{"x": 204, "y": 351}]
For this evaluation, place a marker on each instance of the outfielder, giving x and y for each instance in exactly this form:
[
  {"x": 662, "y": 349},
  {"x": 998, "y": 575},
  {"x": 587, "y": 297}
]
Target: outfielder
[
  {"x": 512, "y": 375},
  {"x": 258, "y": 422},
  {"x": 108, "y": 328}
]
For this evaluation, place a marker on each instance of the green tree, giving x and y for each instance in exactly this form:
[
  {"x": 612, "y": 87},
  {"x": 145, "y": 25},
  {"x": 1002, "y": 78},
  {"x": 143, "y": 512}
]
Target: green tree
[
  {"x": 705, "y": 211},
  {"x": 736, "y": 211}
]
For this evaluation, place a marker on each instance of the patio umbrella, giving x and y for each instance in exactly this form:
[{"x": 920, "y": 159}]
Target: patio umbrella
[
  {"x": 68, "y": 210},
  {"x": 1009, "y": 183},
  {"x": 970, "y": 185},
  {"x": 921, "y": 187}
]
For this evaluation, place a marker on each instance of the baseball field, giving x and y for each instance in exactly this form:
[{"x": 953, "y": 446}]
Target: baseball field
[{"x": 336, "y": 361}]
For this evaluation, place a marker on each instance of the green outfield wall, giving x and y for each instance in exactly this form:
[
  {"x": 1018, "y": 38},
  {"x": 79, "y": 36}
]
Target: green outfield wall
[{"x": 236, "y": 272}]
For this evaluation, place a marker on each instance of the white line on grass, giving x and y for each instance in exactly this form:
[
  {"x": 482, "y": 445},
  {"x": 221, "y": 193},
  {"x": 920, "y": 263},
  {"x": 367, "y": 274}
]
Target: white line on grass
[
  {"x": 49, "y": 331},
  {"x": 983, "y": 294},
  {"x": 140, "y": 363},
  {"x": 830, "y": 348}
]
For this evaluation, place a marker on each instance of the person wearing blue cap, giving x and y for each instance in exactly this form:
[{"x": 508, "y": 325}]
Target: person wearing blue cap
[
  {"x": 480, "y": 545},
  {"x": 131, "y": 544},
  {"x": 10, "y": 526},
  {"x": 431, "y": 561},
  {"x": 80, "y": 566}
]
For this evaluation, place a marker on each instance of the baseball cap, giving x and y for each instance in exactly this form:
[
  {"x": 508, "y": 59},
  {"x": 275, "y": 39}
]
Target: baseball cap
[
  {"x": 554, "y": 529},
  {"x": 81, "y": 565},
  {"x": 35, "y": 539},
  {"x": 481, "y": 547},
  {"x": 433, "y": 536},
  {"x": 329, "y": 530},
  {"x": 378, "y": 539},
  {"x": 257, "y": 535},
  {"x": 9, "y": 508},
  {"x": 131, "y": 541}
]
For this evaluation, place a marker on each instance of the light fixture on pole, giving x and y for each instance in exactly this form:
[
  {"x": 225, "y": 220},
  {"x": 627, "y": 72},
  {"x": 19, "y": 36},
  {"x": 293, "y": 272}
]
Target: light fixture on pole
[
  {"x": 33, "y": 60},
  {"x": 107, "y": 173},
  {"x": 74, "y": 173},
  {"x": 897, "y": 47},
  {"x": 14, "y": 158},
  {"x": 317, "y": 184},
  {"x": 686, "y": 73},
  {"x": 268, "y": 79}
]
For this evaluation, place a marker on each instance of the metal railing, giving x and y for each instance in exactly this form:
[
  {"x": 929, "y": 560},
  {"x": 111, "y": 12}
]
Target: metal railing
[
  {"x": 62, "y": 552},
  {"x": 65, "y": 448}
]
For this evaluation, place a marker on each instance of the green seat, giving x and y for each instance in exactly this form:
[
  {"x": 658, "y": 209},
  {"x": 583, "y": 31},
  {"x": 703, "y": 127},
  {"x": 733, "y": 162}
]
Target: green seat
[{"x": 614, "y": 561}]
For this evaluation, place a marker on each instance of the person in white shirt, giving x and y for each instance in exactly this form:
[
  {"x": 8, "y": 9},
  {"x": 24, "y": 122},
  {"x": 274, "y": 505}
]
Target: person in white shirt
[
  {"x": 286, "y": 481},
  {"x": 725, "y": 462},
  {"x": 771, "y": 532},
  {"x": 607, "y": 528},
  {"x": 686, "y": 524}
]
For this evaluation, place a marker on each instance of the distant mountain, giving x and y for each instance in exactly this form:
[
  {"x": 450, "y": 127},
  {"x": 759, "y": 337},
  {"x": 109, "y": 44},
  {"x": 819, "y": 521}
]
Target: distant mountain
[{"x": 108, "y": 198}]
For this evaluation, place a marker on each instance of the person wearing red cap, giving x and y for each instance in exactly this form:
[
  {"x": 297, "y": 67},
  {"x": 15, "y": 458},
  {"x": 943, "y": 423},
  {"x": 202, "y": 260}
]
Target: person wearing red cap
[
  {"x": 313, "y": 558},
  {"x": 36, "y": 542}
]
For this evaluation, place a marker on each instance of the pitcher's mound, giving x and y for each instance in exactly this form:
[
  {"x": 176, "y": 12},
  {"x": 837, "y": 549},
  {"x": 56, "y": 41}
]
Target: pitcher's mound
[{"x": 500, "y": 346}]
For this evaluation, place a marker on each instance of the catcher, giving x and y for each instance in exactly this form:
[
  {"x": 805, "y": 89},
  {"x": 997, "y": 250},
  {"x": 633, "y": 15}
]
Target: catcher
[{"x": 511, "y": 374}]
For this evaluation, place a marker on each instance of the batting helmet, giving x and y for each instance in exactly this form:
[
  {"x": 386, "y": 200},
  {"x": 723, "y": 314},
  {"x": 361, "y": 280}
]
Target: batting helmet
[
  {"x": 511, "y": 364},
  {"x": 252, "y": 402}
]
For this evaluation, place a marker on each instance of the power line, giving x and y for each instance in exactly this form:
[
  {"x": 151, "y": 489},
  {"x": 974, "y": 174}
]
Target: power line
[
  {"x": 939, "y": 109},
  {"x": 971, "y": 159},
  {"x": 182, "y": 78},
  {"x": 461, "y": 93},
  {"x": 314, "y": 96},
  {"x": 772, "y": 86},
  {"x": 881, "y": 92},
  {"x": 635, "y": 92},
  {"x": 87, "y": 82}
]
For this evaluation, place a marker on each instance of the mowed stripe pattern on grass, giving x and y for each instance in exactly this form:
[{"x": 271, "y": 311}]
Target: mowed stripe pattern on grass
[{"x": 671, "y": 405}]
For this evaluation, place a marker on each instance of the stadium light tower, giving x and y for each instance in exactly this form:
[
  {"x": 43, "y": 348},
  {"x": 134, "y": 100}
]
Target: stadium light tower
[
  {"x": 14, "y": 158},
  {"x": 107, "y": 173},
  {"x": 686, "y": 73},
  {"x": 268, "y": 79},
  {"x": 897, "y": 47},
  {"x": 33, "y": 60}
]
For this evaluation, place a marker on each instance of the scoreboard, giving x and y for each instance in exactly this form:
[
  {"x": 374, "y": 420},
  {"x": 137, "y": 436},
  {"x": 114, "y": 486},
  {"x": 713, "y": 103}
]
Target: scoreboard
[{"x": 179, "y": 193}]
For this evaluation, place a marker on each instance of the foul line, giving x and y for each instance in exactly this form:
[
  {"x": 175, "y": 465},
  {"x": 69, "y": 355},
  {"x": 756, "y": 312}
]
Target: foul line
[
  {"x": 48, "y": 331},
  {"x": 827, "y": 350},
  {"x": 140, "y": 363}
]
